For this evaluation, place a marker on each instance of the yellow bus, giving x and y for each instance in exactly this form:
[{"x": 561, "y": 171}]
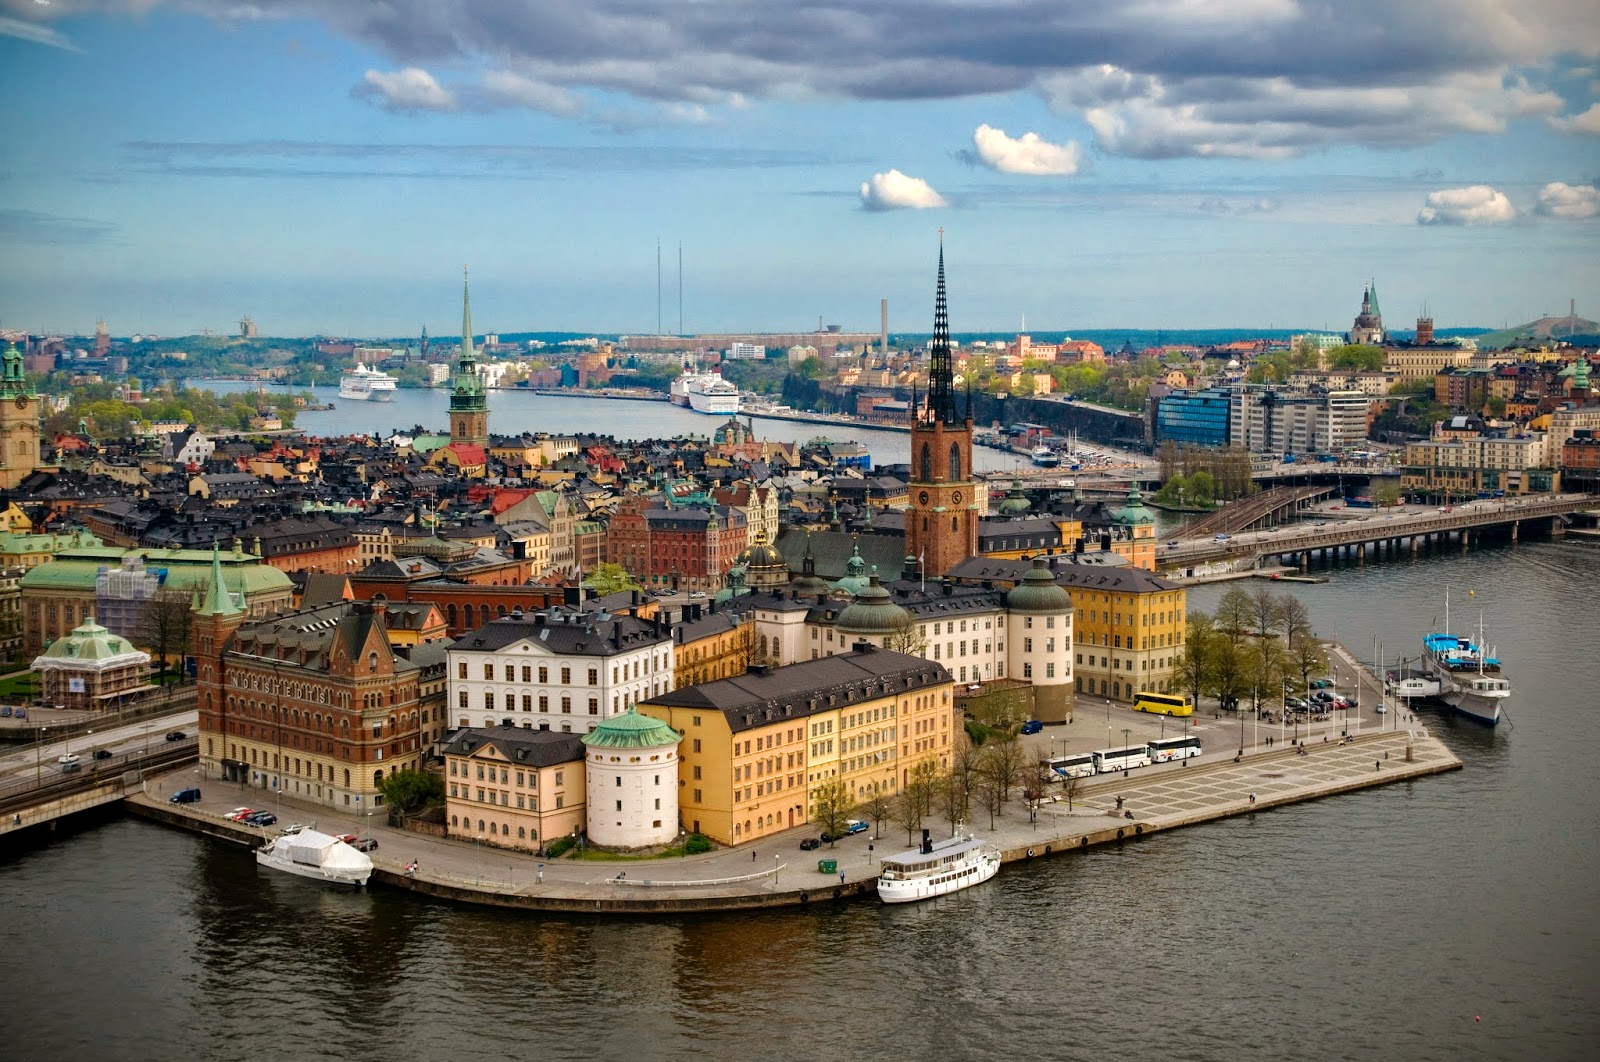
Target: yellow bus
[{"x": 1163, "y": 703}]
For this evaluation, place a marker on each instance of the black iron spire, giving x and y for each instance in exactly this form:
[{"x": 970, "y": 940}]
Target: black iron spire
[{"x": 941, "y": 369}]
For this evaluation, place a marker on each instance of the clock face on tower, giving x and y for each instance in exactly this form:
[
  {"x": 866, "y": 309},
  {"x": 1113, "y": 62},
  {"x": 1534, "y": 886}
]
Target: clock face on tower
[
  {"x": 922, "y": 498},
  {"x": 956, "y": 497},
  {"x": 22, "y": 401}
]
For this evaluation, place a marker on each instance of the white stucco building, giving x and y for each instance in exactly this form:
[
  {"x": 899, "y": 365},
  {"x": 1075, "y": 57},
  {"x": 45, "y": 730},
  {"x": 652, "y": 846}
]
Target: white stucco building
[{"x": 631, "y": 775}]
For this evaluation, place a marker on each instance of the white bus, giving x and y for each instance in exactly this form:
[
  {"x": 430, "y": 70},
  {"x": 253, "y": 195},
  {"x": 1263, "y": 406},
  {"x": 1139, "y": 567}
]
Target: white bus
[
  {"x": 1109, "y": 760},
  {"x": 1173, "y": 748},
  {"x": 1080, "y": 765}
]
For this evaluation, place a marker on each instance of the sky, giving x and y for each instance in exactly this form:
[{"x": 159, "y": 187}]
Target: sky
[{"x": 329, "y": 166}]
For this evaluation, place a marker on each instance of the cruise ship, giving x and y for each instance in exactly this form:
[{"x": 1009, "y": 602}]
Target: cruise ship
[
  {"x": 366, "y": 385},
  {"x": 937, "y": 869},
  {"x": 706, "y": 392},
  {"x": 1468, "y": 672}
]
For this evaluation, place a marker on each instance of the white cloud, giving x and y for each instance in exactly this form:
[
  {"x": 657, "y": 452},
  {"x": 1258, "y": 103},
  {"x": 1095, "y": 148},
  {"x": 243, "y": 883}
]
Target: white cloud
[
  {"x": 1029, "y": 153},
  {"x": 1477, "y": 204},
  {"x": 1558, "y": 200},
  {"x": 32, "y": 31},
  {"x": 411, "y": 89},
  {"x": 1587, "y": 122},
  {"x": 510, "y": 89},
  {"x": 895, "y": 191}
]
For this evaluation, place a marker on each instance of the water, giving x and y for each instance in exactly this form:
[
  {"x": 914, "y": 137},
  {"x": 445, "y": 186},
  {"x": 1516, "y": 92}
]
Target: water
[
  {"x": 513, "y": 412},
  {"x": 1376, "y": 925}
]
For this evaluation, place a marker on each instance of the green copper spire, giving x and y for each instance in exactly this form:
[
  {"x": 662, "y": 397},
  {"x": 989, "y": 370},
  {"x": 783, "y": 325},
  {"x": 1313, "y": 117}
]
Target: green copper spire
[
  {"x": 466, "y": 387},
  {"x": 15, "y": 381},
  {"x": 218, "y": 601},
  {"x": 1375, "y": 311},
  {"x": 466, "y": 318}
]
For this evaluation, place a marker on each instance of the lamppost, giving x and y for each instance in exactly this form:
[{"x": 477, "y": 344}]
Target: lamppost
[
  {"x": 1125, "y": 732},
  {"x": 683, "y": 844},
  {"x": 776, "y": 866},
  {"x": 38, "y": 758}
]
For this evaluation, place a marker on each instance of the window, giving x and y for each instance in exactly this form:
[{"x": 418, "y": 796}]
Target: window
[
  {"x": 594, "y": 706},
  {"x": 461, "y": 669},
  {"x": 461, "y": 701},
  {"x": 594, "y": 676},
  {"x": 1027, "y": 670},
  {"x": 527, "y": 673},
  {"x": 544, "y": 674},
  {"x": 488, "y": 701},
  {"x": 488, "y": 671},
  {"x": 566, "y": 705},
  {"x": 566, "y": 676}
]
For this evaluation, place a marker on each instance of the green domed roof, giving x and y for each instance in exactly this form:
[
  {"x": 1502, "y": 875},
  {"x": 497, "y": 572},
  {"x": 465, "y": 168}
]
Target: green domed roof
[
  {"x": 873, "y": 612},
  {"x": 630, "y": 730},
  {"x": 1134, "y": 513},
  {"x": 855, "y": 573},
  {"x": 1016, "y": 503},
  {"x": 1039, "y": 592},
  {"x": 90, "y": 641}
]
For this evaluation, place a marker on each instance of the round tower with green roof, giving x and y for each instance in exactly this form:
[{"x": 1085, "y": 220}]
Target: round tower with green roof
[{"x": 631, "y": 775}]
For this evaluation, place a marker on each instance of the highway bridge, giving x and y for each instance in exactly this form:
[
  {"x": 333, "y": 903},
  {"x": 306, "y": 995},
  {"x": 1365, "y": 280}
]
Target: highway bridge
[{"x": 1355, "y": 533}]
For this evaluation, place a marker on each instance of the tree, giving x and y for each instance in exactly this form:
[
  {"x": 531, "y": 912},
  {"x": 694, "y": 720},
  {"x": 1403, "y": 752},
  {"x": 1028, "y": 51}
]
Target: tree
[
  {"x": 810, "y": 368},
  {"x": 1001, "y": 763},
  {"x": 954, "y": 795},
  {"x": 609, "y": 578},
  {"x": 906, "y": 811},
  {"x": 1037, "y": 781},
  {"x": 831, "y": 808},
  {"x": 1294, "y": 619},
  {"x": 1356, "y": 357},
  {"x": 1267, "y": 611},
  {"x": 877, "y": 807},
  {"x": 1263, "y": 670},
  {"x": 164, "y": 626},
  {"x": 908, "y": 639},
  {"x": 1386, "y": 495},
  {"x": 1228, "y": 672},
  {"x": 1234, "y": 614},
  {"x": 1307, "y": 658},
  {"x": 989, "y": 796},
  {"x": 1071, "y": 784},
  {"x": 409, "y": 790},
  {"x": 1193, "y": 665}
]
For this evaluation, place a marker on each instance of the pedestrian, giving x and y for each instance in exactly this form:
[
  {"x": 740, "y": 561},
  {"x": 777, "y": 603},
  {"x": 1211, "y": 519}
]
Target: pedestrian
[
  {"x": 841, "y": 877},
  {"x": 752, "y": 855},
  {"x": 1377, "y": 765},
  {"x": 540, "y": 878}
]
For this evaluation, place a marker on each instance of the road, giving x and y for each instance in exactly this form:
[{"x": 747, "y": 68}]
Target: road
[{"x": 34, "y": 761}]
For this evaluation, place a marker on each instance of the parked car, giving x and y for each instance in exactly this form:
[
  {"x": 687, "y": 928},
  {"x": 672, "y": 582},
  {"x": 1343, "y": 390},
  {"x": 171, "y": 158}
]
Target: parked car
[
  {"x": 294, "y": 827},
  {"x": 176, "y": 735},
  {"x": 1297, "y": 703},
  {"x": 185, "y": 796},
  {"x": 855, "y": 826},
  {"x": 5, "y": 711},
  {"x": 348, "y": 838},
  {"x": 1032, "y": 726},
  {"x": 810, "y": 844},
  {"x": 238, "y": 814},
  {"x": 71, "y": 768},
  {"x": 67, "y": 757},
  {"x": 21, "y": 713},
  {"x": 1321, "y": 684},
  {"x": 260, "y": 818},
  {"x": 368, "y": 845},
  {"x": 697, "y": 595},
  {"x": 102, "y": 754}
]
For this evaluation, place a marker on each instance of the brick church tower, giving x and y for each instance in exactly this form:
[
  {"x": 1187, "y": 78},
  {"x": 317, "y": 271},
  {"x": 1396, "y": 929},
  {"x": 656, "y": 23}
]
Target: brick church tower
[
  {"x": 214, "y": 619},
  {"x": 469, "y": 404},
  {"x": 942, "y": 522}
]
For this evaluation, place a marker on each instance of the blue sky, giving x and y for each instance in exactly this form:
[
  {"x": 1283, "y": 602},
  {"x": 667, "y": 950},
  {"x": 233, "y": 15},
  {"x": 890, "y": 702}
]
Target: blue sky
[{"x": 329, "y": 165}]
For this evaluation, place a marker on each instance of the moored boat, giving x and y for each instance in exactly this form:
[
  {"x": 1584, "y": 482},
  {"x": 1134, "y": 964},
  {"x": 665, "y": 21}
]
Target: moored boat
[
  {"x": 364, "y": 384},
  {"x": 317, "y": 856},
  {"x": 1469, "y": 674},
  {"x": 936, "y": 869}
]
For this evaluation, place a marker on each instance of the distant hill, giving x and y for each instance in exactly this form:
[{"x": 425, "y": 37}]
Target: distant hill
[{"x": 1570, "y": 328}]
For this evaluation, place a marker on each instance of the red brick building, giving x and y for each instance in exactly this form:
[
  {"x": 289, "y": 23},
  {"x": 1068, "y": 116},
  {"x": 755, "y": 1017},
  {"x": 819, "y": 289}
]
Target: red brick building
[
  {"x": 692, "y": 549},
  {"x": 628, "y": 535}
]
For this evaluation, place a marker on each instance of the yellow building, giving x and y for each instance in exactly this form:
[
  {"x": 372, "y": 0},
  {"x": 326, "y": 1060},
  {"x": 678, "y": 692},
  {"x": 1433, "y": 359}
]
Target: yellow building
[
  {"x": 1130, "y": 629},
  {"x": 757, "y": 747},
  {"x": 514, "y": 787},
  {"x": 711, "y": 645}
]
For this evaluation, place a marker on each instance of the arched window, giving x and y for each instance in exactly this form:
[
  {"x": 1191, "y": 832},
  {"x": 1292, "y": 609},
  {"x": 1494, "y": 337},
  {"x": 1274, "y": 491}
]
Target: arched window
[
  {"x": 372, "y": 661},
  {"x": 377, "y": 776},
  {"x": 953, "y": 526},
  {"x": 347, "y": 776},
  {"x": 450, "y": 612},
  {"x": 453, "y": 820},
  {"x": 522, "y": 833},
  {"x": 500, "y": 611},
  {"x": 483, "y": 610},
  {"x": 955, "y": 462},
  {"x": 927, "y": 463}
]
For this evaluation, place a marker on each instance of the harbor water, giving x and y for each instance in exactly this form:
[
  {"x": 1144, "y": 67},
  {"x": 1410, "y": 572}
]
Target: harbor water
[{"x": 1449, "y": 918}]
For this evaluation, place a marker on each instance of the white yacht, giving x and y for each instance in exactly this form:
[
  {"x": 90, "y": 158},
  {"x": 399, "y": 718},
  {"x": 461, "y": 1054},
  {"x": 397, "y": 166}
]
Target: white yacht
[
  {"x": 317, "y": 856},
  {"x": 937, "y": 868},
  {"x": 363, "y": 384}
]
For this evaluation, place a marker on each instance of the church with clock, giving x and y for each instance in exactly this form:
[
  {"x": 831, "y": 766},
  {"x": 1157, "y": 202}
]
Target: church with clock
[
  {"x": 19, "y": 423},
  {"x": 942, "y": 521}
]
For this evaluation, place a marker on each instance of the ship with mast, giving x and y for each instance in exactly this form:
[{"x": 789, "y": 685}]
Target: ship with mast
[{"x": 1468, "y": 671}]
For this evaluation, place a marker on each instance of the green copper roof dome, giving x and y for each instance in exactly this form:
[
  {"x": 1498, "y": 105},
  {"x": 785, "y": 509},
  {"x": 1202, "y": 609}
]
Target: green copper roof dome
[
  {"x": 855, "y": 573},
  {"x": 1039, "y": 592},
  {"x": 630, "y": 730},
  {"x": 1134, "y": 513},
  {"x": 873, "y": 612},
  {"x": 90, "y": 641},
  {"x": 1016, "y": 503}
]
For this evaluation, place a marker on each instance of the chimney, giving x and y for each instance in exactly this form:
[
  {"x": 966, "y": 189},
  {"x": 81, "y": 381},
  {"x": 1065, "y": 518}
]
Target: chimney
[
  {"x": 1077, "y": 547},
  {"x": 949, "y": 589},
  {"x": 1105, "y": 542}
]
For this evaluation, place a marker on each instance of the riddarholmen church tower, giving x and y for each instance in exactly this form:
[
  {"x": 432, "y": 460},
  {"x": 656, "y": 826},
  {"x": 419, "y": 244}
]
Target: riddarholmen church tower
[
  {"x": 942, "y": 522},
  {"x": 469, "y": 403}
]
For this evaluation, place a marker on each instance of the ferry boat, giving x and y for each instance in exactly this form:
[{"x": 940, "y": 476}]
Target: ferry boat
[
  {"x": 1469, "y": 674},
  {"x": 1410, "y": 684},
  {"x": 706, "y": 392},
  {"x": 317, "y": 856},
  {"x": 367, "y": 385},
  {"x": 936, "y": 869},
  {"x": 1045, "y": 457}
]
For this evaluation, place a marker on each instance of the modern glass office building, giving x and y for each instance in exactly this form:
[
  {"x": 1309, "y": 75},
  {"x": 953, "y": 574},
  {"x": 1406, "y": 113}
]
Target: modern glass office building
[{"x": 1194, "y": 418}]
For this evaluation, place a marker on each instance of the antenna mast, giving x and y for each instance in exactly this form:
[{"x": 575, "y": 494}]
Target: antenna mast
[{"x": 658, "y": 285}]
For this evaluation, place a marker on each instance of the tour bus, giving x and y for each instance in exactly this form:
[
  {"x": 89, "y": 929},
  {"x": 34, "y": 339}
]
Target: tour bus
[
  {"x": 1174, "y": 748},
  {"x": 1108, "y": 760},
  {"x": 1163, "y": 703},
  {"x": 1080, "y": 765}
]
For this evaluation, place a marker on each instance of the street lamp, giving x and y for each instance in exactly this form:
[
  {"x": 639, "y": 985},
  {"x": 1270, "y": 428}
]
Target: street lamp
[
  {"x": 1125, "y": 732},
  {"x": 38, "y": 758},
  {"x": 776, "y": 866}
]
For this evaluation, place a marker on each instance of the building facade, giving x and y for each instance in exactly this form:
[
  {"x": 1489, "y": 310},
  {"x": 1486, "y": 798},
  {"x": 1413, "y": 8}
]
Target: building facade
[
  {"x": 19, "y": 422},
  {"x": 631, "y": 776},
  {"x": 514, "y": 788},
  {"x": 92, "y": 669}
]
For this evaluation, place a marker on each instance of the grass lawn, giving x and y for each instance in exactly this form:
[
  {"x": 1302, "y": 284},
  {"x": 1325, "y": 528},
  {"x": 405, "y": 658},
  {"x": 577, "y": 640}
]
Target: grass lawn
[{"x": 20, "y": 686}]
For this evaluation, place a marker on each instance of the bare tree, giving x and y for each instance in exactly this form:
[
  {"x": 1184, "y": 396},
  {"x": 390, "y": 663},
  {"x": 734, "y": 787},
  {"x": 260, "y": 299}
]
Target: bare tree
[
  {"x": 1294, "y": 619},
  {"x": 831, "y": 807},
  {"x": 1001, "y": 762},
  {"x": 1036, "y": 780},
  {"x": 1234, "y": 615},
  {"x": 1267, "y": 611},
  {"x": 1306, "y": 659},
  {"x": 955, "y": 786},
  {"x": 990, "y": 796},
  {"x": 1071, "y": 785},
  {"x": 164, "y": 626},
  {"x": 1193, "y": 665},
  {"x": 908, "y": 639},
  {"x": 877, "y": 807}
]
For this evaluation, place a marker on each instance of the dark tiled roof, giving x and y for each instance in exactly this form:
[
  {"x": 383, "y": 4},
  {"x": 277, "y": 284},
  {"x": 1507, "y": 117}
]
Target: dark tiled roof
[
  {"x": 757, "y": 698},
  {"x": 831, "y": 551},
  {"x": 520, "y": 745},
  {"x": 1073, "y": 576},
  {"x": 566, "y": 634}
]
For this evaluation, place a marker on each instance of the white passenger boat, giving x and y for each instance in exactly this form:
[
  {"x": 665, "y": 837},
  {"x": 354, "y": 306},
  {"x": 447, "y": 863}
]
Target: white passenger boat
[
  {"x": 937, "y": 868},
  {"x": 367, "y": 385},
  {"x": 707, "y": 392},
  {"x": 317, "y": 856}
]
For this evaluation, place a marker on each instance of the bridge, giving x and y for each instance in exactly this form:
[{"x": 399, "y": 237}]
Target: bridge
[
  {"x": 1355, "y": 533},
  {"x": 29, "y": 803},
  {"x": 1279, "y": 505}
]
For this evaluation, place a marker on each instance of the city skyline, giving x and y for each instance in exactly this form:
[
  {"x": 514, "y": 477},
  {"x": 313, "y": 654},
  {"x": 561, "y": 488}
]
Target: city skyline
[{"x": 326, "y": 168}]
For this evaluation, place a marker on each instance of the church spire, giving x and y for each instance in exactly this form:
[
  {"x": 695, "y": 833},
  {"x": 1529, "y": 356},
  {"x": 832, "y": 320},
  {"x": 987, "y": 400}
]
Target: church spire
[
  {"x": 218, "y": 601},
  {"x": 466, "y": 318},
  {"x": 941, "y": 370}
]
